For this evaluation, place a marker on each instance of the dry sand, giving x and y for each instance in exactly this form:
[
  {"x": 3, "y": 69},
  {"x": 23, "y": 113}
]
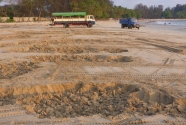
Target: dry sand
[{"x": 100, "y": 75}]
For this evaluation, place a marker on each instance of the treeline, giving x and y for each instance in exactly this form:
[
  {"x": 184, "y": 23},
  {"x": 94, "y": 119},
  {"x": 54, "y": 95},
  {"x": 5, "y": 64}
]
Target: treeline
[
  {"x": 176, "y": 12},
  {"x": 101, "y": 9},
  {"x": 43, "y": 8},
  {"x": 155, "y": 12}
]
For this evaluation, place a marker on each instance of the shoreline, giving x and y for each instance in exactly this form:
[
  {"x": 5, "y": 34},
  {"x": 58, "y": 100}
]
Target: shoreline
[
  {"x": 160, "y": 19},
  {"x": 171, "y": 22}
]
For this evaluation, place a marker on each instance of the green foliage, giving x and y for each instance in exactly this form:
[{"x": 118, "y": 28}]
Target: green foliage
[
  {"x": 167, "y": 14},
  {"x": 181, "y": 14},
  {"x": 148, "y": 12},
  {"x": 157, "y": 11},
  {"x": 11, "y": 19},
  {"x": 119, "y": 12},
  {"x": 177, "y": 12},
  {"x": 138, "y": 15},
  {"x": 98, "y": 8},
  {"x": 34, "y": 19}
]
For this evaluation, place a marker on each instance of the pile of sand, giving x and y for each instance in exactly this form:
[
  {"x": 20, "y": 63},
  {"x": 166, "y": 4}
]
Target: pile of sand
[
  {"x": 13, "y": 69},
  {"x": 87, "y": 99},
  {"x": 81, "y": 58},
  {"x": 67, "y": 49}
]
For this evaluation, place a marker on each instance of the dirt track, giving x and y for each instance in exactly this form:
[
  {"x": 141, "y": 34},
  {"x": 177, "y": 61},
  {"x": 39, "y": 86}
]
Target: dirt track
[{"x": 91, "y": 76}]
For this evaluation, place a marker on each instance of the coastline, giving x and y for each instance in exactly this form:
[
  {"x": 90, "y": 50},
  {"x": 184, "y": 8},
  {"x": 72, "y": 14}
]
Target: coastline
[{"x": 152, "y": 20}]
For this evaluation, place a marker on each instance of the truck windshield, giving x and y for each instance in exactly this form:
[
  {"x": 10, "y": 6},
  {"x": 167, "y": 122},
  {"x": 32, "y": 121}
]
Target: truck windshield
[
  {"x": 92, "y": 17},
  {"x": 134, "y": 20}
]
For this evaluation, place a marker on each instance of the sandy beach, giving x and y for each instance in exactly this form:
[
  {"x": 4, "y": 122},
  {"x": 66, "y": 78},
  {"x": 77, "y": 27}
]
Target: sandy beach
[{"x": 51, "y": 75}]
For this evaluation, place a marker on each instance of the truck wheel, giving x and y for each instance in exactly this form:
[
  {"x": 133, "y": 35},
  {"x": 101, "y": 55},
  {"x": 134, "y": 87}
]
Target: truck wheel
[
  {"x": 89, "y": 25},
  {"x": 66, "y": 25},
  {"x": 122, "y": 25},
  {"x": 129, "y": 27}
]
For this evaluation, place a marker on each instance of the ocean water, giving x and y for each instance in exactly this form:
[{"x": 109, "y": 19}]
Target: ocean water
[{"x": 170, "y": 22}]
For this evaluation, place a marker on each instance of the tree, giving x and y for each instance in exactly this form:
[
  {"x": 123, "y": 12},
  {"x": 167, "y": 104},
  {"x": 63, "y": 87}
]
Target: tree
[
  {"x": 38, "y": 8},
  {"x": 167, "y": 14},
  {"x": 142, "y": 9},
  {"x": 12, "y": 7},
  {"x": 181, "y": 14},
  {"x": 98, "y": 8},
  {"x": 149, "y": 12}
]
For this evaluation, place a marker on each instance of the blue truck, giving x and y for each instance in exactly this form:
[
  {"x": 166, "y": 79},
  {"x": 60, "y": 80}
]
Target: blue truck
[{"x": 129, "y": 23}]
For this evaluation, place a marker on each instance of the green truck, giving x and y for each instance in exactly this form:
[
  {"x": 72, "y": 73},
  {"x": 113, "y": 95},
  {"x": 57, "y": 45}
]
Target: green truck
[{"x": 72, "y": 18}]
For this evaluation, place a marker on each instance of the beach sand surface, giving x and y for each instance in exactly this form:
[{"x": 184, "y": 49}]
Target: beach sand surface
[{"x": 100, "y": 75}]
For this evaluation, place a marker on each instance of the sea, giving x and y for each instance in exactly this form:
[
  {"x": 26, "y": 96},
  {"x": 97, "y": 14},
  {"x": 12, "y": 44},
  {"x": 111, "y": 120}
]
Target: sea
[
  {"x": 165, "y": 24},
  {"x": 175, "y": 22}
]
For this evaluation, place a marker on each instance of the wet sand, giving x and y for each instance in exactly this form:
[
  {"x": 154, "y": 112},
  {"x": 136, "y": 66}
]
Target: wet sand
[{"x": 100, "y": 75}]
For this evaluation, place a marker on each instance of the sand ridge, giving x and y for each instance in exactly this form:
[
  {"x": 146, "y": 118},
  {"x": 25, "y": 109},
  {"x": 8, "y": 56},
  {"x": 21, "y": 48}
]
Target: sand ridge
[{"x": 108, "y": 99}]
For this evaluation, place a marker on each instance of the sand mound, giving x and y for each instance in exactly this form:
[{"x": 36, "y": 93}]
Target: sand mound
[
  {"x": 81, "y": 58},
  {"x": 154, "y": 97},
  {"x": 4, "y": 37},
  {"x": 181, "y": 105},
  {"x": 49, "y": 49},
  {"x": 46, "y": 48},
  {"x": 14, "y": 69},
  {"x": 80, "y": 99}
]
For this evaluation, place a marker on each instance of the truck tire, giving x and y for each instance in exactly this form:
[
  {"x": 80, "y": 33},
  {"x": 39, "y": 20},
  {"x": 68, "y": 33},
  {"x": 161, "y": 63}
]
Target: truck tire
[
  {"x": 122, "y": 26},
  {"x": 66, "y": 25},
  {"x": 89, "y": 25},
  {"x": 130, "y": 27}
]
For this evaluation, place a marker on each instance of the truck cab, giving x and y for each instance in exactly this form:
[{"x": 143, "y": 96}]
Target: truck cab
[
  {"x": 90, "y": 19},
  {"x": 133, "y": 21}
]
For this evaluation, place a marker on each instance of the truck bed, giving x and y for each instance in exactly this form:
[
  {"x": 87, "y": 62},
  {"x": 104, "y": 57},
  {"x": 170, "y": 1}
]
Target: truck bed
[{"x": 123, "y": 21}]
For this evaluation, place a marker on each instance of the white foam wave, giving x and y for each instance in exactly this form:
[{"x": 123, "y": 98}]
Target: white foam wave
[{"x": 170, "y": 22}]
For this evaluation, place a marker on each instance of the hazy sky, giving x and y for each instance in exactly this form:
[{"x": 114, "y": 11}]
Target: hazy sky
[
  {"x": 1, "y": 3},
  {"x": 131, "y": 3}
]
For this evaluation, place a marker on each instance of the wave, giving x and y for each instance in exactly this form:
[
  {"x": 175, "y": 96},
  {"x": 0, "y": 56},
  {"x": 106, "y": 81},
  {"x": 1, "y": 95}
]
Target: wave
[{"x": 172, "y": 22}]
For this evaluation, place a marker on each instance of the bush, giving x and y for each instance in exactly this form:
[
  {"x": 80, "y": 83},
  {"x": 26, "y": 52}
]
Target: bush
[
  {"x": 34, "y": 19},
  {"x": 11, "y": 19}
]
